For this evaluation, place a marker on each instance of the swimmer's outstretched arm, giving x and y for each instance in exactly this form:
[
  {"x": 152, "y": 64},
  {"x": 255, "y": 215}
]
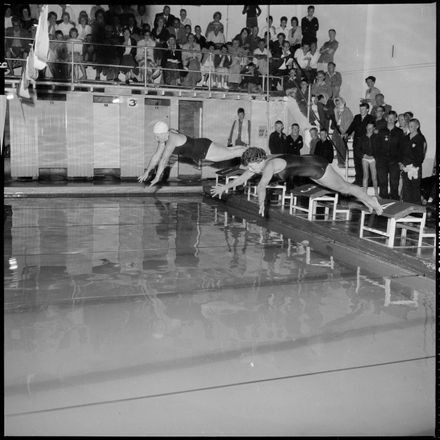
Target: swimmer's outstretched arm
[
  {"x": 163, "y": 163},
  {"x": 153, "y": 161},
  {"x": 218, "y": 190},
  {"x": 268, "y": 173}
]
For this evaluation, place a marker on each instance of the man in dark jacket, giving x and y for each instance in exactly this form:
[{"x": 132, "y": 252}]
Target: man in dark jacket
[
  {"x": 278, "y": 140},
  {"x": 359, "y": 127},
  {"x": 324, "y": 147}
]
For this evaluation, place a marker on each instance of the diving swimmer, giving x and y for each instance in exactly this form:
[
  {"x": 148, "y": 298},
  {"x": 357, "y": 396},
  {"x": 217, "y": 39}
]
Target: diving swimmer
[
  {"x": 172, "y": 142},
  {"x": 316, "y": 168}
]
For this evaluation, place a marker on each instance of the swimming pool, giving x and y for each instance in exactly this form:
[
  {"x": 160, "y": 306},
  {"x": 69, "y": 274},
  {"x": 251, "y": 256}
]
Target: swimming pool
[{"x": 156, "y": 316}]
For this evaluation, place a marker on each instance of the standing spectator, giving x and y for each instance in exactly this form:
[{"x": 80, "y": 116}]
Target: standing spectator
[
  {"x": 369, "y": 150},
  {"x": 290, "y": 84},
  {"x": 388, "y": 156},
  {"x": 359, "y": 127},
  {"x": 178, "y": 31},
  {"x": 128, "y": 58},
  {"x": 324, "y": 147},
  {"x": 160, "y": 33},
  {"x": 303, "y": 57},
  {"x": 403, "y": 124},
  {"x": 320, "y": 87},
  {"x": 408, "y": 116},
  {"x": 217, "y": 16},
  {"x": 294, "y": 35},
  {"x": 252, "y": 12},
  {"x": 183, "y": 18},
  {"x": 414, "y": 149},
  {"x": 372, "y": 91},
  {"x": 8, "y": 16},
  {"x": 380, "y": 121},
  {"x": 278, "y": 140},
  {"x": 200, "y": 39},
  {"x": 235, "y": 67},
  {"x": 270, "y": 28},
  {"x": 83, "y": 28},
  {"x": 333, "y": 79},
  {"x": 282, "y": 28},
  {"x": 294, "y": 141},
  {"x": 215, "y": 35},
  {"x": 313, "y": 66},
  {"x": 325, "y": 111},
  {"x": 309, "y": 26},
  {"x": 65, "y": 25},
  {"x": 328, "y": 50},
  {"x": 25, "y": 18},
  {"x": 251, "y": 79},
  {"x": 240, "y": 133},
  {"x": 167, "y": 17},
  {"x": 261, "y": 57},
  {"x": 52, "y": 25},
  {"x": 58, "y": 57},
  {"x": 380, "y": 102},
  {"x": 172, "y": 63},
  {"x": 222, "y": 61},
  {"x": 243, "y": 37},
  {"x": 253, "y": 39},
  {"x": 99, "y": 36},
  {"x": 343, "y": 119},
  {"x": 302, "y": 97},
  {"x": 191, "y": 57},
  {"x": 75, "y": 50},
  {"x": 313, "y": 139},
  {"x": 15, "y": 46},
  {"x": 141, "y": 16}
]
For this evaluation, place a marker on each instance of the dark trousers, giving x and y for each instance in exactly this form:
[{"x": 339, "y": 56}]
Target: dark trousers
[
  {"x": 385, "y": 170},
  {"x": 357, "y": 157},
  {"x": 411, "y": 188}
]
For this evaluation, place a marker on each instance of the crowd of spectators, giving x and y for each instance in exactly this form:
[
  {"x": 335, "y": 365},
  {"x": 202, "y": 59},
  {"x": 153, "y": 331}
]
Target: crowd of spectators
[{"x": 171, "y": 50}]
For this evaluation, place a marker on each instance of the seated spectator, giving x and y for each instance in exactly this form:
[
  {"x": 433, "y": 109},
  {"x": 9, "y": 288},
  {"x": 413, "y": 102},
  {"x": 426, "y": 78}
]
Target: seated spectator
[
  {"x": 128, "y": 55},
  {"x": 222, "y": 61},
  {"x": 199, "y": 38},
  {"x": 303, "y": 58},
  {"x": 324, "y": 147},
  {"x": 172, "y": 63},
  {"x": 216, "y": 35},
  {"x": 333, "y": 79},
  {"x": 216, "y": 23},
  {"x": 83, "y": 28},
  {"x": 166, "y": 16},
  {"x": 126, "y": 12},
  {"x": 253, "y": 39},
  {"x": 313, "y": 67},
  {"x": 372, "y": 91},
  {"x": 65, "y": 25},
  {"x": 314, "y": 138},
  {"x": 380, "y": 120},
  {"x": 237, "y": 55},
  {"x": 83, "y": 14},
  {"x": 15, "y": 46},
  {"x": 58, "y": 57},
  {"x": 380, "y": 101},
  {"x": 93, "y": 10},
  {"x": 282, "y": 28},
  {"x": 89, "y": 55},
  {"x": 403, "y": 124},
  {"x": 183, "y": 18},
  {"x": 294, "y": 141},
  {"x": 342, "y": 120},
  {"x": 309, "y": 26},
  {"x": 25, "y": 18},
  {"x": 278, "y": 139},
  {"x": 242, "y": 37},
  {"x": 327, "y": 51},
  {"x": 320, "y": 87},
  {"x": 144, "y": 54},
  {"x": 160, "y": 33},
  {"x": 141, "y": 16},
  {"x": 75, "y": 50},
  {"x": 294, "y": 35},
  {"x": 52, "y": 25},
  {"x": 191, "y": 58},
  {"x": 251, "y": 79},
  {"x": 261, "y": 55},
  {"x": 207, "y": 67},
  {"x": 135, "y": 31},
  {"x": 8, "y": 16},
  {"x": 188, "y": 31},
  {"x": 118, "y": 29},
  {"x": 276, "y": 47},
  {"x": 291, "y": 84},
  {"x": 178, "y": 31},
  {"x": 270, "y": 28},
  {"x": 60, "y": 10}
]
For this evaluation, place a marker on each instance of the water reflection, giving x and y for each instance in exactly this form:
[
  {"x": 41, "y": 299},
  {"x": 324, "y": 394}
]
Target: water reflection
[{"x": 176, "y": 280}]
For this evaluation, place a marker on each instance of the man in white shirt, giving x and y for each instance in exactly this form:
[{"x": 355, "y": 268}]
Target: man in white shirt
[
  {"x": 303, "y": 56},
  {"x": 216, "y": 36},
  {"x": 283, "y": 26},
  {"x": 271, "y": 29}
]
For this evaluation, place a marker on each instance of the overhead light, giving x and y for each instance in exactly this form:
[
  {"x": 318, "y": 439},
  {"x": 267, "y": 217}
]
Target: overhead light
[
  {"x": 10, "y": 96},
  {"x": 116, "y": 100}
]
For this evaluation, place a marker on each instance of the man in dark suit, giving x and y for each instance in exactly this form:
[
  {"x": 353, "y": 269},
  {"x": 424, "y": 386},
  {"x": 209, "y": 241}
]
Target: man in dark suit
[
  {"x": 359, "y": 127},
  {"x": 278, "y": 140},
  {"x": 167, "y": 17}
]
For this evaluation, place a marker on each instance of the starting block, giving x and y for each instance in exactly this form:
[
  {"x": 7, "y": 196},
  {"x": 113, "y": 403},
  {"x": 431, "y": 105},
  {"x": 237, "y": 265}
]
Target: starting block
[
  {"x": 317, "y": 196},
  {"x": 402, "y": 215},
  {"x": 251, "y": 190},
  {"x": 228, "y": 174}
]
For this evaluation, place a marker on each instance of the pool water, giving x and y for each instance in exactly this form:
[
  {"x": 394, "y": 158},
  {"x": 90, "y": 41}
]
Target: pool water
[{"x": 169, "y": 316}]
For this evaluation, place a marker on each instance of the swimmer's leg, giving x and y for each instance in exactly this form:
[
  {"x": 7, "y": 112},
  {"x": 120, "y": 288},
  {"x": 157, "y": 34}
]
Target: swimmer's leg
[
  {"x": 218, "y": 153},
  {"x": 331, "y": 179}
]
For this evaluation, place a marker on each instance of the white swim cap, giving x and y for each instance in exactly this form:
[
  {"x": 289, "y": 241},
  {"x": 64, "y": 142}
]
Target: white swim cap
[{"x": 160, "y": 127}]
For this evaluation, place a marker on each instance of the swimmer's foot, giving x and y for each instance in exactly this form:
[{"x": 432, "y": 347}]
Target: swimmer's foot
[{"x": 376, "y": 205}]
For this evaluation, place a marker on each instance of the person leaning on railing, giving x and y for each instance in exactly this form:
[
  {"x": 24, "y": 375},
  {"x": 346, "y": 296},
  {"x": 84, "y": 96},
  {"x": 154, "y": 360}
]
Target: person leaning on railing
[
  {"x": 172, "y": 63},
  {"x": 16, "y": 45},
  {"x": 191, "y": 57}
]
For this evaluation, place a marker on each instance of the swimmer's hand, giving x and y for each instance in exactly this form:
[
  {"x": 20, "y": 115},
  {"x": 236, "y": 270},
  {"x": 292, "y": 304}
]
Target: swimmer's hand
[
  {"x": 217, "y": 190},
  {"x": 143, "y": 177},
  {"x": 154, "y": 181}
]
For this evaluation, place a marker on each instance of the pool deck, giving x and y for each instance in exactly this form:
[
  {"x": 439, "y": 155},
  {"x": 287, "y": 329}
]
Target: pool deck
[{"x": 338, "y": 237}]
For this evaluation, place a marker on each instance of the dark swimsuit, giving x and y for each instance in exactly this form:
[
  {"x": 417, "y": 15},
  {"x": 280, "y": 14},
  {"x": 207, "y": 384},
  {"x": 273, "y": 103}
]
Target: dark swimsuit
[
  {"x": 307, "y": 165},
  {"x": 194, "y": 148}
]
